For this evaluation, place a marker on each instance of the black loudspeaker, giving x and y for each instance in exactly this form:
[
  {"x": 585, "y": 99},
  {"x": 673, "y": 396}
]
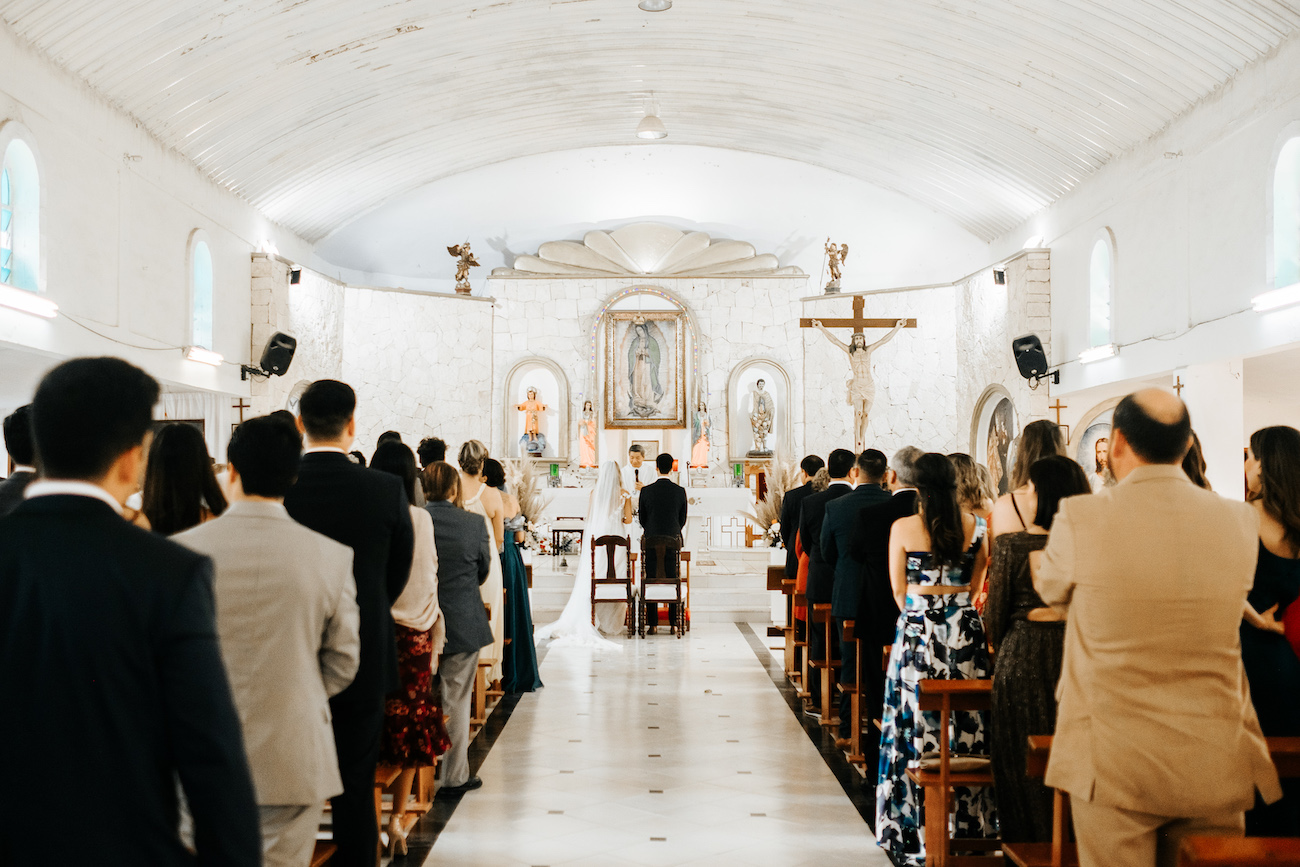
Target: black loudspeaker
[
  {"x": 1030, "y": 357},
  {"x": 280, "y": 348}
]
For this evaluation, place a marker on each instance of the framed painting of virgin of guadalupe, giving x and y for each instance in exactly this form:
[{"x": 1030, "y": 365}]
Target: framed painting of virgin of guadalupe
[{"x": 645, "y": 380}]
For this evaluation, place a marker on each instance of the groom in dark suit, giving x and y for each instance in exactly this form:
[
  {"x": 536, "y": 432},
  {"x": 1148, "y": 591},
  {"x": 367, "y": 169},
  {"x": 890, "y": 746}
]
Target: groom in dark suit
[
  {"x": 368, "y": 512},
  {"x": 821, "y": 575},
  {"x": 662, "y": 513},
  {"x": 110, "y": 670}
]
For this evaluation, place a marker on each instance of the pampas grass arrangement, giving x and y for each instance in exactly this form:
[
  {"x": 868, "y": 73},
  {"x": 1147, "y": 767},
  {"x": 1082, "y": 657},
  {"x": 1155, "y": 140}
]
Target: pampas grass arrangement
[
  {"x": 522, "y": 476},
  {"x": 767, "y": 512}
]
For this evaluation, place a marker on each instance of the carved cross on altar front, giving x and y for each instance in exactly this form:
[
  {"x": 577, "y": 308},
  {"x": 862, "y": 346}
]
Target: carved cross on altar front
[{"x": 858, "y": 322}]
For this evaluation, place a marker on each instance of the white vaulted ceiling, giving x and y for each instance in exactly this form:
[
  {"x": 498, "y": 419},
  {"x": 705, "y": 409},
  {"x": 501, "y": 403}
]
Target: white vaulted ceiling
[{"x": 319, "y": 110}]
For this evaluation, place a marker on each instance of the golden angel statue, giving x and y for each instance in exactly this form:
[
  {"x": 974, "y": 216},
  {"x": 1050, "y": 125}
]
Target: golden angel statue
[
  {"x": 835, "y": 257},
  {"x": 466, "y": 261}
]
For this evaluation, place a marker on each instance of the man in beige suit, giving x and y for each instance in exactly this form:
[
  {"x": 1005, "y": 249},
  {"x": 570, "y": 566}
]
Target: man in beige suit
[
  {"x": 288, "y": 623},
  {"x": 1156, "y": 737}
]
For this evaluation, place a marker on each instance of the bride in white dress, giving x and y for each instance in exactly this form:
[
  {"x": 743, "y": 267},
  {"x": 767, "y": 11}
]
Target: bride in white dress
[{"x": 606, "y": 516}]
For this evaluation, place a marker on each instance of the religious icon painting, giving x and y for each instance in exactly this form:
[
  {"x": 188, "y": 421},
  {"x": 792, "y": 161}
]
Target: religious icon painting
[
  {"x": 1092, "y": 448},
  {"x": 645, "y": 378},
  {"x": 995, "y": 432}
]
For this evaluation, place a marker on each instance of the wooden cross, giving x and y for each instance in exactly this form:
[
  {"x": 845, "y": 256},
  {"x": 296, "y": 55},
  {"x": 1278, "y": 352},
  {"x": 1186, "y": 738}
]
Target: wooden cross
[
  {"x": 858, "y": 322},
  {"x": 1058, "y": 406},
  {"x": 1179, "y": 385},
  {"x": 241, "y": 406}
]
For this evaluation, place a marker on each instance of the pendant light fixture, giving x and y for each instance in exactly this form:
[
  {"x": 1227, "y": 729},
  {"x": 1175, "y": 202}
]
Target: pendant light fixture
[
  {"x": 655, "y": 5},
  {"x": 651, "y": 127}
]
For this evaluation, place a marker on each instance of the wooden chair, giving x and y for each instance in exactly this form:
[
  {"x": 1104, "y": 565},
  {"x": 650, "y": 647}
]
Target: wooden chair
[
  {"x": 1061, "y": 852},
  {"x": 819, "y": 617},
  {"x": 571, "y": 525},
  {"x": 610, "y": 544},
  {"x": 670, "y": 580},
  {"x": 323, "y": 852},
  {"x": 946, "y": 696},
  {"x": 1240, "y": 852},
  {"x": 684, "y": 561},
  {"x": 791, "y": 651}
]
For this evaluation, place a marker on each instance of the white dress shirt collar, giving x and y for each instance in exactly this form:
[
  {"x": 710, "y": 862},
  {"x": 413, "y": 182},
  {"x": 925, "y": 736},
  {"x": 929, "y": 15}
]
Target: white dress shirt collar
[
  {"x": 314, "y": 449},
  {"x": 21, "y": 468},
  {"x": 63, "y": 487},
  {"x": 257, "y": 509},
  {"x": 844, "y": 482}
]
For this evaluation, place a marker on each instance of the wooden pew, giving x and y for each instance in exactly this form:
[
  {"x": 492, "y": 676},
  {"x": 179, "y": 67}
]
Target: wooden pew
[
  {"x": 791, "y": 651},
  {"x": 854, "y": 689},
  {"x": 946, "y": 696},
  {"x": 820, "y": 618},
  {"x": 1240, "y": 852},
  {"x": 1285, "y": 753}
]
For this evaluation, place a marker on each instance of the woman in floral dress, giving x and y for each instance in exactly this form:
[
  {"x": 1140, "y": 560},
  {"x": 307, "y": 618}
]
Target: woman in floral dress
[{"x": 937, "y": 560}]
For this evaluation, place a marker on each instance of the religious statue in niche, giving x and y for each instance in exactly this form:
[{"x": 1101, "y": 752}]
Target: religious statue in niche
[
  {"x": 465, "y": 261},
  {"x": 862, "y": 388},
  {"x": 644, "y": 360},
  {"x": 999, "y": 453},
  {"x": 587, "y": 436},
  {"x": 533, "y": 442},
  {"x": 835, "y": 257},
  {"x": 761, "y": 412},
  {"x": 701, "y": 432}
]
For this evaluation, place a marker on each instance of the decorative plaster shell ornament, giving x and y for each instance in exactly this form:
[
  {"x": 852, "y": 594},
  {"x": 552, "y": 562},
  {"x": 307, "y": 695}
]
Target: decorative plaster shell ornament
[{"x": 651, "y": 250}]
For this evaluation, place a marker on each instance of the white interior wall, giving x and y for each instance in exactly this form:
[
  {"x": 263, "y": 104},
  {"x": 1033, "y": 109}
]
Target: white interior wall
[
  {"x": 115, "y": 230},
  {"x": 1190, "y": 213},
  {"x": 780, "y": 206}
]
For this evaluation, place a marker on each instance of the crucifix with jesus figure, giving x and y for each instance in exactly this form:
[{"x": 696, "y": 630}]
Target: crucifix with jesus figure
[{"x": 861, "y": 387}]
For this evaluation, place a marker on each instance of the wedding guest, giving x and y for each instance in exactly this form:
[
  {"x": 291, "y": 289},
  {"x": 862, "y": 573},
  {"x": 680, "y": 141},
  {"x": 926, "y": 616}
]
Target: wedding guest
[
  {"x": 414, "y": 731},
  {"x": 937, "y": 560},
  {"x": 431, "y": 450},
  {"x": 836, "y": 546},
  {"x": 180, "y": 487},
  {"x": 110, "y": 667},
  {"x": 465, "y": 556},
  {"x": 519, "y": 669},
  {"x": 357, "y": 457},
  {"x": 1028, "y": 638},
  {"x": 1038, "y": 440},
  {"x": 1156, "y": 737},
  {"x": 1194, "y": 464},
  {"x": 878, "y": 614},
  {"x": 387, "y": 437},
  {"x": 477, "y": 497},
  {"x": 288, "y": 623},
  {"x": 22, "y": 458},
  {"x": 368, "y": 512},
  {"x": 840, "y": 464},
  {"x": 820, "y": 481},
  {"x": 1272, "y": 666},
  {"x": 791, "y": 503},
  {"x": 971, "y": 491}
]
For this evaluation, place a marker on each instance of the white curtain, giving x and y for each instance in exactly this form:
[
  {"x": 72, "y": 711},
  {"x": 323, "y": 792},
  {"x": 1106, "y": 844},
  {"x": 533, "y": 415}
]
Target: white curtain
[{"x": 215, "y": 410}]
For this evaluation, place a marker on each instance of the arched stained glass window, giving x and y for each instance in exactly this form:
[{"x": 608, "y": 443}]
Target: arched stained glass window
[
  {"x": 1101, "y": 289},
  {"x": 1286, "y": 215},
  {"x": 200, "y": 292},
  {"x": 20, "y": 216}
]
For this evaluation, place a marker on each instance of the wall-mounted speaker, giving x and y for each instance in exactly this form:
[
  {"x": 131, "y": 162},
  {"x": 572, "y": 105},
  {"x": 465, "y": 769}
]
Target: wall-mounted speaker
[{"x": 276, "y": 357}]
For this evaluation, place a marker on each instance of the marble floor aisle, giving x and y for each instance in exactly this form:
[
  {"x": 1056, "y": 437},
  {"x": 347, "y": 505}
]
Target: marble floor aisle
[{"x": 669, "y": 752}]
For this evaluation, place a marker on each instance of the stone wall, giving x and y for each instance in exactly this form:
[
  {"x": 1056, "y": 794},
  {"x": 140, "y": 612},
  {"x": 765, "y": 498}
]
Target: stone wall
[
  {"x": 311, "y": 311},
  {"x": 422, "y": 364}
]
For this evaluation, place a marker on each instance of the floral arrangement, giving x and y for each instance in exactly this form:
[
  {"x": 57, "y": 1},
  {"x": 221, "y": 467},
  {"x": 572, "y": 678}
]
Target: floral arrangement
[
  {"x": 522, "y": 476},
  {"x": 767, "y": 511}
]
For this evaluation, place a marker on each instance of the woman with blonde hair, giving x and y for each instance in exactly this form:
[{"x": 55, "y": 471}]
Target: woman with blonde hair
[{"x": 479, "y": 497}]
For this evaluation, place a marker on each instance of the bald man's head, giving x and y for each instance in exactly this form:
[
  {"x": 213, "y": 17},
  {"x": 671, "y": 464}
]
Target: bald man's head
[{"x": 1156, "y": 425}]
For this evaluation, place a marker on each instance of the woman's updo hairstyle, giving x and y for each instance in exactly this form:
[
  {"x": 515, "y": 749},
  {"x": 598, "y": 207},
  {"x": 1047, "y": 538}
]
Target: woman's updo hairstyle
[{"x": 471, "y": 457}]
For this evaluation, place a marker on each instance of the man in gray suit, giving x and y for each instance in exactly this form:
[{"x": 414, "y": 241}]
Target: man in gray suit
[
  {"x": 288, "y": 623},
  {"x": 464, "y": 557}
]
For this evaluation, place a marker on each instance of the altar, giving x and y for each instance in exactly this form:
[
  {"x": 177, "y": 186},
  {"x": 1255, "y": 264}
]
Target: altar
[{"x": 705, "y": 508}]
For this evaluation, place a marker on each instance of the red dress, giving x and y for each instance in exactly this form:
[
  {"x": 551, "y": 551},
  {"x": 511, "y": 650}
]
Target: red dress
[
  {"x": 414, "y": 731},
  {"x": 800, "y": 578}
]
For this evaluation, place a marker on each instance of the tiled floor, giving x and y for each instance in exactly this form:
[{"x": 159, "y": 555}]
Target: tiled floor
[{"x": 670, "y": 752}]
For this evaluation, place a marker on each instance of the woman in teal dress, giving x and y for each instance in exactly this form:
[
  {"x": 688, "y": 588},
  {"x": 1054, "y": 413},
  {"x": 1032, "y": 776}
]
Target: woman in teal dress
[
  {"x": 519, "y": 667},
  {"x": 937, "y": 560},
  {"x": 1272, "y": 667}
]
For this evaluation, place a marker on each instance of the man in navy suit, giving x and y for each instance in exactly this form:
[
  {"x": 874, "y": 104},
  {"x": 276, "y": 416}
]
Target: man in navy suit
[
  {"x": 877, "y": 614},
  {"x": 791, "y": 503},
  {"x": 368, "y": 512},
  {"x": 22, "y": 458},
  {"x": 662, "y": 512},
  {"x": 109, "y": 663},
  {"x": 837, "y": 534},
  {"x": 821, "y": 575}
]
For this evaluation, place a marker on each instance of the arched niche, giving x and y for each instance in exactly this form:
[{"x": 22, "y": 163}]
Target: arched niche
[
  {"x": 994, "y": 427},
  {"x": 552, "y": 387},
  {"x": 20, "y": 159},
  {"x": 741, "y": 386}
]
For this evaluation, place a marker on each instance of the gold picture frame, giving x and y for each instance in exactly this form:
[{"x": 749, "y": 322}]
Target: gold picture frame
[{"x": 645, "y": 371}]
